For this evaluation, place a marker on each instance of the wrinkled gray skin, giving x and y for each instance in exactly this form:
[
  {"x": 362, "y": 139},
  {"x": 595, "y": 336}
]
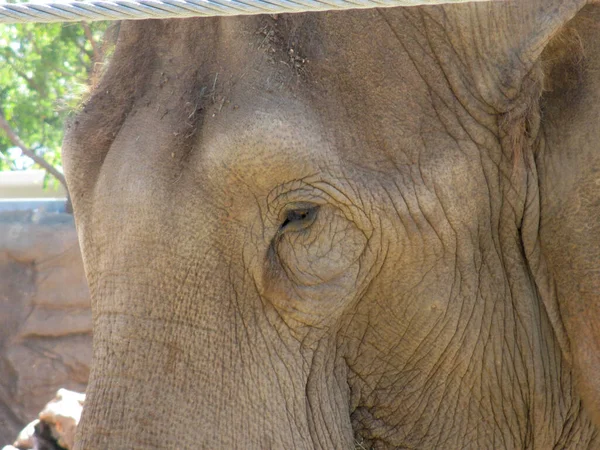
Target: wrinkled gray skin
[{"x": 377, "y": 226}]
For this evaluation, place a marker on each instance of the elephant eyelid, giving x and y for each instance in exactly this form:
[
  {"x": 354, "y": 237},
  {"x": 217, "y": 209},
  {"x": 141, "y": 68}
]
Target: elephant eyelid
[{"x": 299, "y": 218}]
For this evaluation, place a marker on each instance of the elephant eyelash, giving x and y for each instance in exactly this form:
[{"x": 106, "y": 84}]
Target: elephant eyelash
[{"x": 299, "y": 218}]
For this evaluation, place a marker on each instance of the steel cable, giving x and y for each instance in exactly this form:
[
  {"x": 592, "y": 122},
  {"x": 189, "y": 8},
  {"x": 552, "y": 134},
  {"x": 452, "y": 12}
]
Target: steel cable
[{"x": 75, "y": 11}]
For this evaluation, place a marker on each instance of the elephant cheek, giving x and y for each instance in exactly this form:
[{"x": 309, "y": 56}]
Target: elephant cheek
[
  {"x": 580, "y": 315},
  {"x": 587, "y": 361}
]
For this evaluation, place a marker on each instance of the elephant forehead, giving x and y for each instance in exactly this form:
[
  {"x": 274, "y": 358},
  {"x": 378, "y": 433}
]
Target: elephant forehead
[{"x": 263, "y": 145}]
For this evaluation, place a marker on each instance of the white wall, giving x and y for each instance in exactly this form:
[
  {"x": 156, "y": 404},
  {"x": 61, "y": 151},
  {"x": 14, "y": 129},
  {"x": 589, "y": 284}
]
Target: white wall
[{"x": 26, "y": 185}]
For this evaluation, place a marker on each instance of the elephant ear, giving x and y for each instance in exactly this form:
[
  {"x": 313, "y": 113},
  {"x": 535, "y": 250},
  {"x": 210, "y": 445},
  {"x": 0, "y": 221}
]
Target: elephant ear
[
  {"x": 562, "y": 243},
  {"x": 500, "y": 42},
  {"x": 540, "y": 68},
  {"x": 497, "y": 48}
]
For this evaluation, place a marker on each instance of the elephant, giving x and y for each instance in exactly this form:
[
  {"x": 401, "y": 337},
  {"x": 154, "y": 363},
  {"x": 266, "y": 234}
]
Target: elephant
[{"x": 374, "y": 228}]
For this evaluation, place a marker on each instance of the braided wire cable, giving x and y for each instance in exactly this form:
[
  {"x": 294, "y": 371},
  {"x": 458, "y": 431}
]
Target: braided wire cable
[{"x": 75, "y": 11}]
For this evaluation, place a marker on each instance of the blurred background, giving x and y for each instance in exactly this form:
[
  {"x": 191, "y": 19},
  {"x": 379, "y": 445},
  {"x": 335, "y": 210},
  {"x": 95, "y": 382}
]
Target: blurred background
[{"x": 46, "y": 73}]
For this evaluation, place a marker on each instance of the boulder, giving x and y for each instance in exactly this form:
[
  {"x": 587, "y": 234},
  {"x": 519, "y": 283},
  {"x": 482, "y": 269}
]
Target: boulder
[
  {"x": 25, "y": 438},
  {"x": 56, "y": 426},
  {"x": 62, "y": 416},
  {"x": 45, "y": 318}
]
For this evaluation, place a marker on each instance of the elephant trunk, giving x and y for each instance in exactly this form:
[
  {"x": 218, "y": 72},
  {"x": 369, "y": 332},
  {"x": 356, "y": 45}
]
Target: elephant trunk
[
  {"x": 207, "y": 384},
  {"x": 146, "y": 387}
]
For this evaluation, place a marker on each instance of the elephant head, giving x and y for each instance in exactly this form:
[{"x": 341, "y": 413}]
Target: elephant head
[{"x": 375, "y": 228}]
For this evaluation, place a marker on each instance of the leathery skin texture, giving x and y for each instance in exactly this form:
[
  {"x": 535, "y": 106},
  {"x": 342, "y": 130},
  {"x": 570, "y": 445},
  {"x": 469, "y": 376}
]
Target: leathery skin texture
[{"x": 368, "y": 229}]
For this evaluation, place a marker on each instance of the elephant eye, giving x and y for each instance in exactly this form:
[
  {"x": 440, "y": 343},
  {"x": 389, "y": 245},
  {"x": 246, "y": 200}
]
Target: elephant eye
[{"x": 299, "y": 219}]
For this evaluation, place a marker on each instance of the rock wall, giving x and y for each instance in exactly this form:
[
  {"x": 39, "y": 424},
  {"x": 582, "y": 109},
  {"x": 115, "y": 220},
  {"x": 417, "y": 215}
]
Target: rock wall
[{"x": 45, "y": 318}]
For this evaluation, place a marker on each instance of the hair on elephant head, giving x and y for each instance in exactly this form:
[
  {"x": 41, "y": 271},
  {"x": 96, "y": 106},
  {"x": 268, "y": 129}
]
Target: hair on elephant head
[{"x": 316, "y": 230}]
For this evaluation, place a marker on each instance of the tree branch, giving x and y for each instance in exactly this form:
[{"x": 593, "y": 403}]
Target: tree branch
[
  {"x": 32, "y": 84},
  {"x": 16, "y": 140},
  {"x": 10, "y": 58},
  {"x": 97, "y": 54}
]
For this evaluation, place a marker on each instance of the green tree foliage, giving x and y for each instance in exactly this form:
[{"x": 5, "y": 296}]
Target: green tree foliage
[{"x": 45, "y": 70}]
